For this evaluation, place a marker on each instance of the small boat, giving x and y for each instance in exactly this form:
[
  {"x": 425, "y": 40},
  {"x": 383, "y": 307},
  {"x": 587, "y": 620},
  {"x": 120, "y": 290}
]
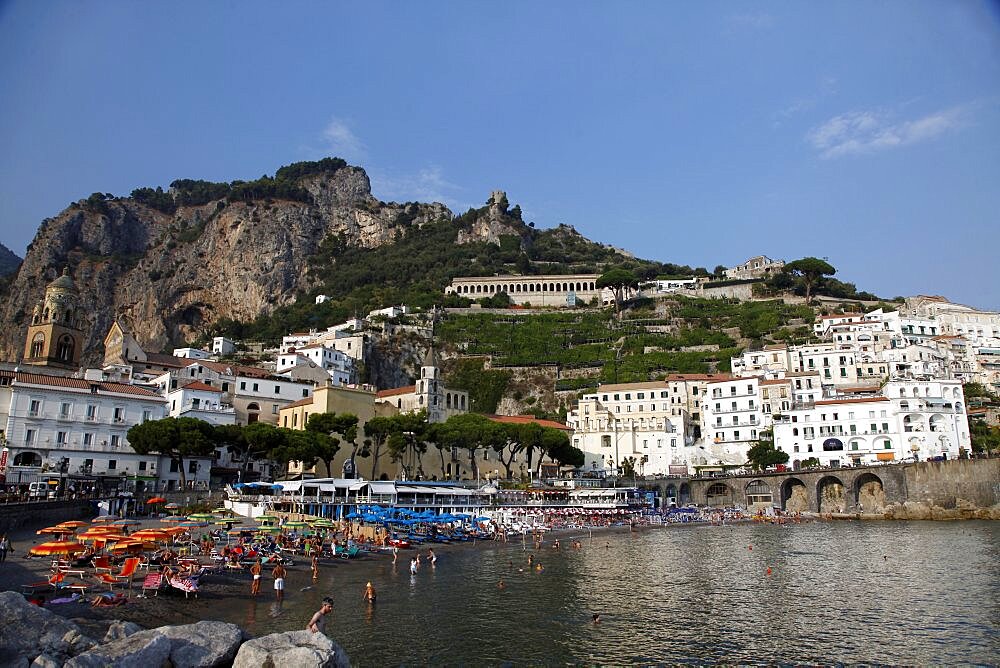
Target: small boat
[{"x": 399, "y": 542}]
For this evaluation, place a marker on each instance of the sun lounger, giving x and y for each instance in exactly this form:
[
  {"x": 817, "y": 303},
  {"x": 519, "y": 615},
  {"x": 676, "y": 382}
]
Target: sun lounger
[
  {"x": 154, "y": 583},
  {"x": 186, "y": 585}
]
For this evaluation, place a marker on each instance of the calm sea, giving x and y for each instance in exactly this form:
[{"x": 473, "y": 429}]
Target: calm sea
[{"x": 921, "y": 593}]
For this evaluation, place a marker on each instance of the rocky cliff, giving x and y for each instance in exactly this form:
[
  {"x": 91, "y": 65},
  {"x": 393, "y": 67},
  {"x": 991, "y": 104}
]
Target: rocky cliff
[
  {"x": 8, "y": 261},
  {"x": 168, "y": 271}
]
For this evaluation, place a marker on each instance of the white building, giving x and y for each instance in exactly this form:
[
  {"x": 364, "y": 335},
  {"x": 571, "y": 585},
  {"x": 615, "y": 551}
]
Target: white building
[
  {"x": 772, "y": 362},
  {"x": 200, "y": 401},
  {"x": 760, "y": 266},
  {"x": 922, "y": 419},
  {"x": 631, "y": 420},
  {"x": 74, "y": 427},
  {"x": 338, "y": 365},
  {"x": 389, "y": 312},
  {"x": 733, "y": 419},
  {"x": 223, "y": 346},
  {"x": 192, "y": 353},
  {"x": 555, "y": 290}
]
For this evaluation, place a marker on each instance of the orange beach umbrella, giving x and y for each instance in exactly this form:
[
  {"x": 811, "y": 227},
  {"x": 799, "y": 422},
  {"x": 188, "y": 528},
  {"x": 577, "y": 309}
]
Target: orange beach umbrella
[{"x": 57, "y": 547}]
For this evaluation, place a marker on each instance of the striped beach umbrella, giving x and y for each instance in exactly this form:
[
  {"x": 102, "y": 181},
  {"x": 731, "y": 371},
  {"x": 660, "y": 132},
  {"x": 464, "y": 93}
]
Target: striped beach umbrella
[{"x": 57, "y": 547}]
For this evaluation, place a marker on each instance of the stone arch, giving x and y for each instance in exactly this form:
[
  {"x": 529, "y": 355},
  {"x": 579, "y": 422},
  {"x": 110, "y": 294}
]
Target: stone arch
[
  {"x": 27, "y": 458},
  {"x": 253, "y": 412},
  {"x": 685, "y": 494},
  {"x": 65, "y": 348},
  {"x": 758, "y": 494},
  {"x": 830, "y": 496},
  {"x": 794, "y": 497},
  {"x": 869, "y": 493},
  {"x": 719, "y": 494},
  {"x": 670, "y": 494},
  {"x": 38, "y": 345}
]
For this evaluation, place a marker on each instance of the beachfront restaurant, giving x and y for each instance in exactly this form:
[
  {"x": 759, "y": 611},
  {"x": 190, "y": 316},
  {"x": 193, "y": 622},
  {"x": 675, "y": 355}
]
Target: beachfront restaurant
[{"x": 337, "y": 497}]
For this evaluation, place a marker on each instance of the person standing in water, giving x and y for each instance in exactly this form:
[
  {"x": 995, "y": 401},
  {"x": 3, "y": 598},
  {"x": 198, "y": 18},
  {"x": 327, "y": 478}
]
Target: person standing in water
[
  {"x": 279, "y": 581},
  {"x": 369, "y": 594},
  {"x": 255, "y": 583},
  {"x": 318, "y": 622}
]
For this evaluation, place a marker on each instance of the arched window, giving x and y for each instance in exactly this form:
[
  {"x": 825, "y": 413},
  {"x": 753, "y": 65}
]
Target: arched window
[
  {"x": 902, "y": 391},
  {"x": 27, "y": 459},
  {"x": 37, "y": 345},
  {"x": 904, "y": 405},
  {"x": 758, "y": 492},
  {"x": 64, "y": 351}
]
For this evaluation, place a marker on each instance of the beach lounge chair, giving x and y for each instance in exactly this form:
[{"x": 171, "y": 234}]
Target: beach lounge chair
[
  {"x": 123, "y": 577},
  {"x": 154, "y": 583},
  {"x": 56, "y": 581},
  {"x": 186, "y": 585},
  {"x": 102, "y": 564}
]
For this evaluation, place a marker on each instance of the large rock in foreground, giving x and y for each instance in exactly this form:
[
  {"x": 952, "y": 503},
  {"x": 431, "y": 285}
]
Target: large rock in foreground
[
  {"x": 302, "y": 649},
  {"x": 200, "y": 645},
  {"x": 28, "y": 631}
]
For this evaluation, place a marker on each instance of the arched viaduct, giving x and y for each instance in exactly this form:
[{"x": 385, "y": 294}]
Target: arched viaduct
[{"x": 863, "y": 489}]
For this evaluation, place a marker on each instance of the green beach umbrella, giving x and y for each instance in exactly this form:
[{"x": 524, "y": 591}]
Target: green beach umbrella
[{"x": 295, "y": 525}]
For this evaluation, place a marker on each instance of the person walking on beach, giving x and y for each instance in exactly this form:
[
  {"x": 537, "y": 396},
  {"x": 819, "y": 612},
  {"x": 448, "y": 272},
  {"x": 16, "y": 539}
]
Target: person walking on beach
[
  {"x": 369, "y": 594},
  {"x": 255, "y": 573},
  {"x": 315, "y": 566},
  {"x": 279, "y": 581},
  {"x": 4, "y": 547},
  {"x": 318, "y": 622}
]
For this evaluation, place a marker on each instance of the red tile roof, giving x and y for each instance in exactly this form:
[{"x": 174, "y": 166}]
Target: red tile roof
[
  {"x": 409, "y": 389},
  {"x": 700, "y": 376},
  {"x": 526, "y": 419},
  {"x": 198, "y": 385},
  {"x": 81, "y": 384},
  {"x": 307, "y": 401}
]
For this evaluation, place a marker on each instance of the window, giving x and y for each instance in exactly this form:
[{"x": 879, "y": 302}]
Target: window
[
  {"x": 112, "y": 464},
  {"x": 61, "y": 438},
  {"x": 147, "y": 416},
  {"x": 88, "y": 439},
  {"x": 142, "y": 466},
  {"x": 29, "y": 436},
  {"x": 255, "y": 387},
  {"x": 64, "y": 409},
  {"x": 192, "y": 467},
  {"x": 606, "y": 441},
  {"x": 277, "y": 389},
  {"x": 305, "y": 393},
  {"x": 91, "y": 412},
  {"x": 173, "y": 466},
  {"x": 34, "y": 407},
  {"x": 115, "y": 440},
  {"x": 119, "y": 414},
  {"x": 274, "y": 409},
  {"x": 243, "y": 385}
]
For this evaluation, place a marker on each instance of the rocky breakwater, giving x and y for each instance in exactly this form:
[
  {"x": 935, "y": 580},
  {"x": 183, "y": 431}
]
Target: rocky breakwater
[
  {"x": 928, "y": 510},
  {"x": 35, "y": 637}
]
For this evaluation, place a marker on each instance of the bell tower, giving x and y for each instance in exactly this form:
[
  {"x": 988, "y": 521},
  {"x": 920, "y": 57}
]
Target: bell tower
[{"x": 54, "y": 335}]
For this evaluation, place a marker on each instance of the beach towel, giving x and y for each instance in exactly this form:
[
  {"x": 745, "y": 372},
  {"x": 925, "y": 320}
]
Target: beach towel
[{"x": 186, "y": 585}]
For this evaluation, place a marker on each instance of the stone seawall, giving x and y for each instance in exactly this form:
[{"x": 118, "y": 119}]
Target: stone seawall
[
  {"x": 956, "y": 489},
  {"x": 15, "y": 515}
]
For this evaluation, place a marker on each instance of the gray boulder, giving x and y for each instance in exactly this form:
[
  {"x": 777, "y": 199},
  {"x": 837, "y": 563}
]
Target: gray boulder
[
  {"x": 27, "y": 631},
  {"x": 204, "y": 644},
  {"x": 145, "y": 649},
  {"x": 119, "y": 629},
  {"x": 200, "y": 645},
  {"x": 302, "y": 649},
  {"x": 46, "y": 661}
]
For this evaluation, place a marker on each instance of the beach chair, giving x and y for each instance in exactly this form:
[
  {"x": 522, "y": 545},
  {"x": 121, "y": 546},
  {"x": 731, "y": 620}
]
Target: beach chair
[
  {"x": 56, "y": 581},
  {"x": 102, "y": 564},
  {"x": 154, "y": 583},
  {"x": 186, "y": 585},
  {"x": 123, "y": 577}
]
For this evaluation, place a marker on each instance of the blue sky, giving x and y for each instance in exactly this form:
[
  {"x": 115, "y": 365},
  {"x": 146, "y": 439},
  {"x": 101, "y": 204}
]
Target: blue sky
[{"x": 697, "y": 133}]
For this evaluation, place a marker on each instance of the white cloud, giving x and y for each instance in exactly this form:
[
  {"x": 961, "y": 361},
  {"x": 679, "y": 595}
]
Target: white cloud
[
  {"x": 827, "y": 87},
  {"x": 427, "y": 184},
  {"x": 860, "y": 132},
  {"x": 339, "y": 140}
]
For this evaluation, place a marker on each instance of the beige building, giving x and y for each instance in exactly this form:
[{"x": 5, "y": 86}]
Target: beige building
[{"x": 553, "y": 291}]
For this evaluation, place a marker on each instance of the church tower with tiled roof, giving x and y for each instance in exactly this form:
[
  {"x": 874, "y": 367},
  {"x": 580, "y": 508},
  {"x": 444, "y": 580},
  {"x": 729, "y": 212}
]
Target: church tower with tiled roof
[{"x": 54, "y": 335}]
